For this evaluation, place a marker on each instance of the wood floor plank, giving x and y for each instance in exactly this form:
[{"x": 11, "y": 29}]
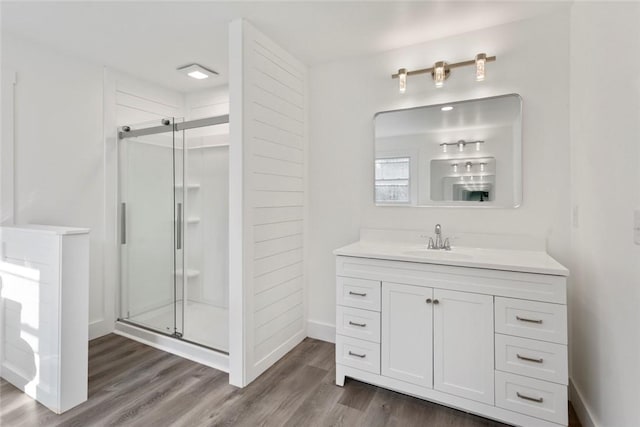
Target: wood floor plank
[{"x": 134, "y": 385}]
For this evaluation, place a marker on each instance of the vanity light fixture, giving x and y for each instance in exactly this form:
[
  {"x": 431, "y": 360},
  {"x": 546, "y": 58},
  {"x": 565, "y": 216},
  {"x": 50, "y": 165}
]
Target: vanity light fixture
[
  {"x": 460, "y": 144},
  {"x": 468, "y": 165},
  {"x": 481, "y": 60},
  {"x": 455, "y": 167},
  {"x": 402, "y": 80},
  {"x": 441, "y": 70},
  {"x": 440, "y": 73},
  {"x": 482, "y": 167},
  {"x": 197, "y": 71}
]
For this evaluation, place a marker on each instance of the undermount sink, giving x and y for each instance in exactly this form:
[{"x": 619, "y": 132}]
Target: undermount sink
[{"x": 441, "y": 254}]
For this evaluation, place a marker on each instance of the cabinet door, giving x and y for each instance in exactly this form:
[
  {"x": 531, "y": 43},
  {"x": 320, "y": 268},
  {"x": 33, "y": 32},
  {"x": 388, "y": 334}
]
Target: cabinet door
[
  {"x": 463, "y": 344},
  {"x": 407, "y": 322}
]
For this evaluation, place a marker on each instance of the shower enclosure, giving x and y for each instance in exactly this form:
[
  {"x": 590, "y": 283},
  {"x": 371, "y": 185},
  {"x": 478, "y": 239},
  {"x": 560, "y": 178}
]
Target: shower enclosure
[{"x": 173, "y": 216}]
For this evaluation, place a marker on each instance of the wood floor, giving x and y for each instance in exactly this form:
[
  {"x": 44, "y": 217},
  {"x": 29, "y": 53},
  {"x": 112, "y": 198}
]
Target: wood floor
[{"x": 131, "y": 384}]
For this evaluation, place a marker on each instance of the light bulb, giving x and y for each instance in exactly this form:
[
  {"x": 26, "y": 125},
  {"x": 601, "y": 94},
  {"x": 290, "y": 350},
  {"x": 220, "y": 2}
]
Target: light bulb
[
  {"x": 469, "y": 165},
  {"x": 455, "y": 167},
  {"x": 482, "y": 167},
  {"x": 402, "y": 79},
  {"x": 481, "y": 60},
  {"x": 444, "y": 148},
  {"x": 439, "y": 73},
  {"x": 478, "y": 146},
  {"x": 460, "y": 145}
]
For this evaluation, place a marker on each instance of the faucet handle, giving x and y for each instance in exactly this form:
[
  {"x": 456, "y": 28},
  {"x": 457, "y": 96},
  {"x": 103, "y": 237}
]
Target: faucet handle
[
  {"x": 431, "y": 245},
  {"x": 447, "y": 245}
]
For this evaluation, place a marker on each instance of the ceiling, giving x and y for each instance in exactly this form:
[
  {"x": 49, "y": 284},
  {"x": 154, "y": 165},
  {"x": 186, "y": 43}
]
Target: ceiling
[{"x": 150, "y": 39}]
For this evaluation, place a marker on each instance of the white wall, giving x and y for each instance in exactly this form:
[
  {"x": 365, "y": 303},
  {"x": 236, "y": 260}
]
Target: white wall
[
  {"x": 58, "y": 163},
  {"x": 345, "y": 95},
  {"x": 604, "y": 296}
]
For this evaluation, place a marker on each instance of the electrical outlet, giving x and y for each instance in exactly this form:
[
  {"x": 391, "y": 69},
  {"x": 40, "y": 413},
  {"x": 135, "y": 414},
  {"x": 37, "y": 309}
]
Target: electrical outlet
[{"x": 636, "y": 226}]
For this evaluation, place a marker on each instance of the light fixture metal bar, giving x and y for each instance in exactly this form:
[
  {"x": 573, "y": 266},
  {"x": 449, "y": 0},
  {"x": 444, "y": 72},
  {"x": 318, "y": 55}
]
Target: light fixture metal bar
[
  {"x": 192, "y": 124},
  {"x": 448, "y": 66},
  {"x": 461, "y": 142}
]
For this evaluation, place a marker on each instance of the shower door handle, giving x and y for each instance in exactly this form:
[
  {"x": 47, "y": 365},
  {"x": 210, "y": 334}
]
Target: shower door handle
[
  {"x": 179, "y": 229},
  {"x": 123, "y": 223}
]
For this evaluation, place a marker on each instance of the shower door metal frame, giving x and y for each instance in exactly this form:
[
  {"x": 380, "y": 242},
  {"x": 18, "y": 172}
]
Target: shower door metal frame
[{"x": 125, "y": 132}]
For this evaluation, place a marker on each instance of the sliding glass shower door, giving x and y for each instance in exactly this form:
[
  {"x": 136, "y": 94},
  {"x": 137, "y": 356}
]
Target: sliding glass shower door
[{"x": 151, "y": 193}]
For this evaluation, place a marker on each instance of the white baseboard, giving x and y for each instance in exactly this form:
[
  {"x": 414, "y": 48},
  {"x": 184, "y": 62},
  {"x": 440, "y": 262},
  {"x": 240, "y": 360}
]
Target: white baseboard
[
  {"x": 98, "y": 328},
  {"x": 582, "y": 410},
  {"x": 321, "y": 331}
]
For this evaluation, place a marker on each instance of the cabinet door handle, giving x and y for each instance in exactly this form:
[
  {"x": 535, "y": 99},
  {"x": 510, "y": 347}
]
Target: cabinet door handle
[
  {"x": 357, "y": 294},
  {"x": 435, "y": 301},
  {"x": 362, "y": 325},
  {"x": 524, "y": 319},
  {"x": 529, "y": 359},
  {"x": 361, "y": 356},
  {"x": 428, "y": 300},
  {"x": 533, "y": 399}
]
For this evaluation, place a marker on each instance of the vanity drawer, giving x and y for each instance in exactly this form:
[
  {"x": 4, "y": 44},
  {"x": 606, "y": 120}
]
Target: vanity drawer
[
  {"x": 532, "y": 358},
  {"x": 357, "y": 323},
  {"x": 531, "y": 319},
  {"x": 359, "y": 293},
  {"x": 539, "y": 399},
  {"x": 357, "y": 353}
]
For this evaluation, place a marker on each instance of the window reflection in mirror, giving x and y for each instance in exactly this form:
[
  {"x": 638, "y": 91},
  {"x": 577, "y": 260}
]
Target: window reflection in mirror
[{"x": 467, "y": 155}]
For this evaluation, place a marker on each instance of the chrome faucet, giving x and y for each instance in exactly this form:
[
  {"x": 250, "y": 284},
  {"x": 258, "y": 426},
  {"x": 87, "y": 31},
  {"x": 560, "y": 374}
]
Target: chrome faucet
[{"x": 439, "y": 244}]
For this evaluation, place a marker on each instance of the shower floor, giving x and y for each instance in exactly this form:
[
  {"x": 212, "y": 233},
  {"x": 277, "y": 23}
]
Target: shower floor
[{"x": 204, "y": 324}]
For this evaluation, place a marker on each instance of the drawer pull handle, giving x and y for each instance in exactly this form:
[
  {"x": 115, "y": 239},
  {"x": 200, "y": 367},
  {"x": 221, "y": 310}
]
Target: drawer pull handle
[
  {"x": 428, "y": 300},
  {"x": 530, "y": 359},
  {"x": 524, "y": 319},
  {"x": 357, "y": 294},
  {"x": 361, "y": 356},
  {"x": 362, "y": 325},
  {"x": 533, "y": 399}
]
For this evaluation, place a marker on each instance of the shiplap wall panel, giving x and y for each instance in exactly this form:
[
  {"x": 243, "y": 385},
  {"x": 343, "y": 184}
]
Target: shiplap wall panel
[
  {"x": 273, "y": 127},
  {"x": 278, "y": 276},
  {"x": 276, "y": 215},
  {"x": 277, "y": 230}
]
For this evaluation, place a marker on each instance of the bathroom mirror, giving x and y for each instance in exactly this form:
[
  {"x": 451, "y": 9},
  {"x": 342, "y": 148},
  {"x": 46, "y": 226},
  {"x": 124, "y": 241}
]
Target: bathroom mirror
[{"x": 466, "y": 154}]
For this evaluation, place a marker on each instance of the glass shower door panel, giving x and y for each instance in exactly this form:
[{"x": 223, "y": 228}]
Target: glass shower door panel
[{"x": 149, "y": 214}]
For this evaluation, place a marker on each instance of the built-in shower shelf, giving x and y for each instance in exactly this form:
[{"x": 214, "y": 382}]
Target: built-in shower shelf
[
  {"x": 189, "y": 186},
  {"x": 193, "y": 220},
  {"x": 191, "y": 273}
]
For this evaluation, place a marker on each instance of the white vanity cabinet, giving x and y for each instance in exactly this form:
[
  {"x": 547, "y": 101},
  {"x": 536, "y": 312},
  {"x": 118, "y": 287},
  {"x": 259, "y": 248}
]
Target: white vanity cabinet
[
  {"x": 485, "y": 340},
  {"x": 407, "y": 333}
]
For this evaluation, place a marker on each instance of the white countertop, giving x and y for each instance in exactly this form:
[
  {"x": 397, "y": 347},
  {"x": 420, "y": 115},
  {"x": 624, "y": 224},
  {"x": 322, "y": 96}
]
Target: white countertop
[
  {"x": 527, "y": 261},
  {"x": 51, "y": 229}
]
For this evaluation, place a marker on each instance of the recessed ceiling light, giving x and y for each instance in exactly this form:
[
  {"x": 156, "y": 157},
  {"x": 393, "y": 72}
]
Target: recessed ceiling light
[
  {"x": 197, "y": 71},
  {"x": 447, "y": 108}
]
